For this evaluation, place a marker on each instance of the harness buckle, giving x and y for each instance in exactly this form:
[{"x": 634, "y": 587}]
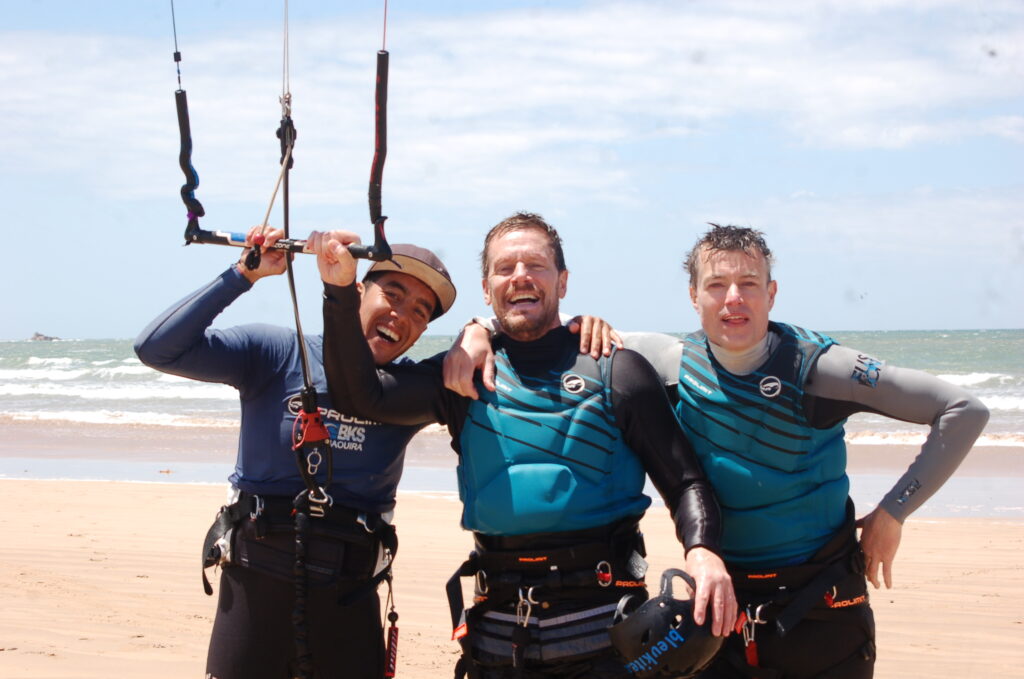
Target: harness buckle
[
  {"x": 751, "y": 619},
  {"x": 318, "y": 505},
  {"x": 257, "y": 510},
  {"x": 481, "y": 581},
  {"x": 524, "y": 607},
  {"x": 362, "y": 520},
  {"x": 603, "y": 571}
]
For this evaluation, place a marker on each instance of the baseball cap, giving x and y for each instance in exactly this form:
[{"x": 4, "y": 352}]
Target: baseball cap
[{"x": 424, "y": 266}]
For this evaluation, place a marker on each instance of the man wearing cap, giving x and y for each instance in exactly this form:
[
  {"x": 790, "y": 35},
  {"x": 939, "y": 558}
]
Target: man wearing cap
[{"x": 348, "y": 550}]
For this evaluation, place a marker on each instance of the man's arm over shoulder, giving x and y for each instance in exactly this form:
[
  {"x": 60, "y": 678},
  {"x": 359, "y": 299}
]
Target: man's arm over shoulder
[
  {"x": 395, "y": 394},
  {"x": 650, "y": 429},
  {"x": 956, "y": 417},
  {"x": 662, "y": 351},
  {"x": 179, "y": 340}
]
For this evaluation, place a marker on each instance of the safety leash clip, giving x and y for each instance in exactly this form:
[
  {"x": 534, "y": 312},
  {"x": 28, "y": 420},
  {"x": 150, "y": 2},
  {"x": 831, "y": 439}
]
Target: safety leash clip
[
  {"x": 521, "y": 632},
  {"x": 747, "y": 624}
]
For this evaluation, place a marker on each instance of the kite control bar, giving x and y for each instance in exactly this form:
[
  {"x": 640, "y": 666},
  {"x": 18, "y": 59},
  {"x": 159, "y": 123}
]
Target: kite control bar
[{"x": 378, "y": 252}]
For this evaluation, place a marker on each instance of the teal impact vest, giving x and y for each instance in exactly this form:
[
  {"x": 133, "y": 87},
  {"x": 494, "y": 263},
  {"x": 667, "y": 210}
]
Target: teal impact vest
[
  {"x": 545, "y": 455},
  {"x": 781, "y": 483}
]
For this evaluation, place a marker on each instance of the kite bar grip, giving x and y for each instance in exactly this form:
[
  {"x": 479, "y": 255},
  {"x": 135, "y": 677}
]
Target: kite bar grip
[{"x": 379, "y": 251}]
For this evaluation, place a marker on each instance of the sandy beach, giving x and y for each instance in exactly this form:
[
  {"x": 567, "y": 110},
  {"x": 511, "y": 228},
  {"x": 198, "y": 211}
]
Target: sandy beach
[{"x": 101, "y": 578}]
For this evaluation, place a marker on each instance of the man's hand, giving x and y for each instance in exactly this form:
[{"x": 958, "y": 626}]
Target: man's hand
[
  {"x": 714, "y": 586},
  {"x": 272, "y": 262},
  {"x": 337, "y": 266},
  {"x": 470, "y": 352},
  {"x": 879, "y": 538},
  {"x": 596, "y": 335}
]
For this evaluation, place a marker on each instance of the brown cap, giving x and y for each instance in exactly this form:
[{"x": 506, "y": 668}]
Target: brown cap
[{"x": 424, "y": 266}]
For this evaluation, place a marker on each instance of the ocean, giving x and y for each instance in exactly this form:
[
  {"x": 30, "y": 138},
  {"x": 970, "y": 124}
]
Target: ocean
[
  {"x": 102, "y": 382},
  {"x": 96, "y": 385}
]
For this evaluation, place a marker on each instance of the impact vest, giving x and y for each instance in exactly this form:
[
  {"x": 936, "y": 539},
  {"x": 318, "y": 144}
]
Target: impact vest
[
  {"x": 781, "y": 483},
  {"x": 544, "y": 454}
]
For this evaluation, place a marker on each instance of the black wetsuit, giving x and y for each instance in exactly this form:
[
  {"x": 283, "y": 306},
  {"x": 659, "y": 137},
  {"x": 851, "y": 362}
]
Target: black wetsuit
[
  {"x": 413, "y": 395},
  {"x": 252, "y": 634}
]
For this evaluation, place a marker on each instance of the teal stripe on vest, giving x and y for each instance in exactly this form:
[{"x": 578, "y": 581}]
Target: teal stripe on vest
[
  {"x": 781, "y": 483},
  {"x": 545, "y": 455}
]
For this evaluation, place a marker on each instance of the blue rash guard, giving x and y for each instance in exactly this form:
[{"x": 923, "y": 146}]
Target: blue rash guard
[{"x": 262, "y": 362}]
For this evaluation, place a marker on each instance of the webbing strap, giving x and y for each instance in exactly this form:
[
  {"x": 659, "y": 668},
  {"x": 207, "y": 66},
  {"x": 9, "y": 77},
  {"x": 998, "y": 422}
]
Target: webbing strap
[{"x": 810, "y": 596}]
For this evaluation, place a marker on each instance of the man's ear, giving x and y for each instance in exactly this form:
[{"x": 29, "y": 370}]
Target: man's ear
[
  {"x": 693, "y": 298},
  {"x": 773, "y": 287},
  {"x": 487, "y": 293},
  {"x": 563, "y": 283},
  {"x": 360, "y": 288}
]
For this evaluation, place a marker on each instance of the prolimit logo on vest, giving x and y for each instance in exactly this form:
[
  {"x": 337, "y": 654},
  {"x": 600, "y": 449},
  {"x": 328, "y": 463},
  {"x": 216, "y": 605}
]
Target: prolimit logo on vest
[
  {"x": 770, "y": 386},
  {"x": 573, "y": 383}
]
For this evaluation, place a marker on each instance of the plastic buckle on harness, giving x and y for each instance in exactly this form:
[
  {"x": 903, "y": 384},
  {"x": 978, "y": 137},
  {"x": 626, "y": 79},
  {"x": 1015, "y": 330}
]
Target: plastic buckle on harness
[{"x": 603, "y": 571}]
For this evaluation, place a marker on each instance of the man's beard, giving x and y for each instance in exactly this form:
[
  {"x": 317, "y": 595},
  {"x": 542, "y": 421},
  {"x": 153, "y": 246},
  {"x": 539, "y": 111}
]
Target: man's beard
[{"x": 526, "y": 328}]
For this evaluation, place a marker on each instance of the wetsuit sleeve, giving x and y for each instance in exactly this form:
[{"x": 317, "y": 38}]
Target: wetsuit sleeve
[
  {"x": 663, "y": 352},
  {"x": 650, "y": 429},
  {"x": 397, "y": 394},
  {"x": 179, "y": 340},
  {"x": 846, "y": 379}
]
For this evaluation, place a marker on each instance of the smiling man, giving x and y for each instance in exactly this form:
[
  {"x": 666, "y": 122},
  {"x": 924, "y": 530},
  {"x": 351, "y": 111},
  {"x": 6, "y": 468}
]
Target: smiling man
[
  {"x": 764, "y": 404},
  {"x": 551, "y": 466},
  {"x": 345, "y": 552}
]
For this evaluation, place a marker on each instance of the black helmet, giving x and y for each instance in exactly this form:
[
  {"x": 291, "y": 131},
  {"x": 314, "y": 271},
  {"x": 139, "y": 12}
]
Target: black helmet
[{"x": 660, "y": 638}]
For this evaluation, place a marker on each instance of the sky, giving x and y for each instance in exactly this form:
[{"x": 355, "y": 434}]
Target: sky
[{"x": 878, "y": 144}]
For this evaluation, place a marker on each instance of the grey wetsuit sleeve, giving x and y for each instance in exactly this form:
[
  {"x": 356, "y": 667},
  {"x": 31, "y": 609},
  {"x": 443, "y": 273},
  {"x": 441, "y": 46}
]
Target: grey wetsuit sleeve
[
  {"x": 956, "y": 417},
  {"x": 664, "y": 352}
]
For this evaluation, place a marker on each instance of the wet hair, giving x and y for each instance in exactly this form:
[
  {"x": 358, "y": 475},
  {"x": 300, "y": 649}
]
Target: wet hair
[
  {"x": 727, "y": 239},
  {"x": 521, "y": 221}
]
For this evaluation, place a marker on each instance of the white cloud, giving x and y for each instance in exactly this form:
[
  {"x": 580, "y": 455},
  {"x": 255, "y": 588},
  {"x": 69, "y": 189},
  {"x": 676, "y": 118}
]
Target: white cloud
[{"x": 512, "y": 102}]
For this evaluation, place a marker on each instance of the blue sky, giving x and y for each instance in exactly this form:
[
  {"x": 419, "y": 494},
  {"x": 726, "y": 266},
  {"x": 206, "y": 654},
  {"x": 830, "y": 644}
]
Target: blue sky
[{"x": 878, "y": 144}]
